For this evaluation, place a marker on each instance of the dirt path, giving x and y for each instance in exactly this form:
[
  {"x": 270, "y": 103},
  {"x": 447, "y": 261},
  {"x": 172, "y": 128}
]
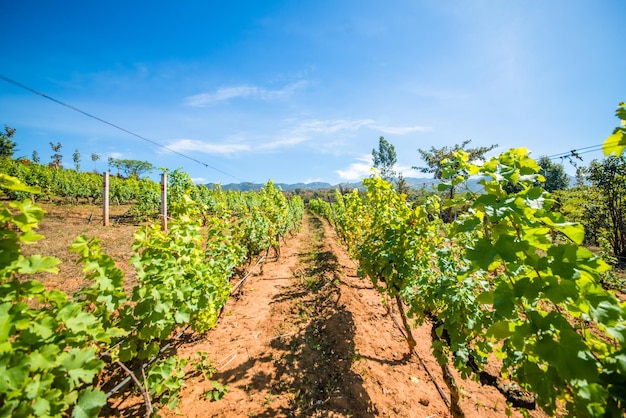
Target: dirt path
[{"x": 306, "y": 337}]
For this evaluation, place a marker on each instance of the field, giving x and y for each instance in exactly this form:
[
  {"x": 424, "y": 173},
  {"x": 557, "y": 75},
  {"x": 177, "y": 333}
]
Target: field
[
  {"x": 367, "y": 304},
  {"x": 303, "y": 336}
]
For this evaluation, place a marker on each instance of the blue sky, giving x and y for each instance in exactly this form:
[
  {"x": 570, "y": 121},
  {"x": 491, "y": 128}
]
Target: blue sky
[{"x": 300, "y": 91}]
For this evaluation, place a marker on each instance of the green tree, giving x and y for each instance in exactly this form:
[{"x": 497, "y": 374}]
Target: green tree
[
  {"x": 435, "y": 156},
  {"x": 7, "y": 145},
  {"x": 57, "y": 158},
  {"x": 384, "y": 159},
  {"x": 609, "y": 176},
  {"x": 36, "y": 158},
  {"x": 95, "y": 157},
  {"x": 556, "y": 178},
  {"x": 76, "y": 159},
  {"x": 402, "y": 186},
  {"x": 131, "y": 168}
]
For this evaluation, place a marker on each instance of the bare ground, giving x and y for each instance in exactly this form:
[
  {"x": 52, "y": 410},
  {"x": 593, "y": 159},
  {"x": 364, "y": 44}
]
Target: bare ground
[
  {"x": 307, "y": 337},
  {"x": 304, "y": 336}
]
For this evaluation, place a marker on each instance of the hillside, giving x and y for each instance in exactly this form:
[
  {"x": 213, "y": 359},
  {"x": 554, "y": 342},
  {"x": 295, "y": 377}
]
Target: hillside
[{"x": 415, "y": 183}]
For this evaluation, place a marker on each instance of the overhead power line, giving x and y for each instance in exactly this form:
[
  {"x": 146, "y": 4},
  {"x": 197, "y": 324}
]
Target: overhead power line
[
  {"x": 32, "y": 90},
  {"x": 577, "y": 152}
]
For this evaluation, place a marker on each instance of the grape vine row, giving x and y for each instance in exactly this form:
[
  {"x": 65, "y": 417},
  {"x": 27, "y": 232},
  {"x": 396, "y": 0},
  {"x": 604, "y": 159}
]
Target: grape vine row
[
  {"x": 507, "y": 281},
  {"x": 54, "y": 345}
]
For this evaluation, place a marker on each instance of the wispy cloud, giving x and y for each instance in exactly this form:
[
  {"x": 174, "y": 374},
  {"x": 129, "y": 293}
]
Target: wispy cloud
[
  {"x": 286, "y": 141},
  {"x": 195, "y": 145},
  {"x": 324, "y": 130},
  {"x": 333, "y": 126},
  {"x": 400, "y": 130},
  {"x": 243, "y": 91},
  {"x": 308, "y": 130}
]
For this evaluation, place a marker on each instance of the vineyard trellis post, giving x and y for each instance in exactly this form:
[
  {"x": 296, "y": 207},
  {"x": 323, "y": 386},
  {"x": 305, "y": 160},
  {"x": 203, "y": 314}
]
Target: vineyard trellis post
[
  {"x": 164, "y": 201},
  {"x": 105, "y": 198}
]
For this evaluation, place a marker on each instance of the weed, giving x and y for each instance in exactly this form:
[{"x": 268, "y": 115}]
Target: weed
[{"x": 216, "y": 393}]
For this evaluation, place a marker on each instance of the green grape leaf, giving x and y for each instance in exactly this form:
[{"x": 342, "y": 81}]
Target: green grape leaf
[
  {"x": 569, "y": 356},
  {"x": 90, "y": 401},
  {"x": 571, "y": 230},
  {"x": 37, "y": 263},
  {"x": 501, "y": 330},
  {"x": 615, "y": 143},
  {"x": 13, "y": 183}
]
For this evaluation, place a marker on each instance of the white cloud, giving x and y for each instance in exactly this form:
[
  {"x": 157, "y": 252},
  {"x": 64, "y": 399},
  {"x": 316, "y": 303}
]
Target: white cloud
[
  {"x": 303, "y": 131},
  {"x": 400, "y": 130},
  {"x": 333, "y": 126},
  {"x": 287, "y": 141},
  {"x": 182, "y": 145},
  {"x": 116, "y": 155},
  {"x": 357, "y": 171},
  {"x": 244, "y": 91},
  {"x": 199, "y": 180},
  {"x": 407, "y": 171}
]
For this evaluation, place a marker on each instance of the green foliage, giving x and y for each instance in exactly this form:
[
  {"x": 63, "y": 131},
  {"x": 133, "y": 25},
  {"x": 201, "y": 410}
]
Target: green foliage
[
  {"x": 217, "y": 392},
  {"x": 507, "y": 278},
  {"x": 7, "y": 144},
  {"x": 131, "y": 168},
  {"x": 616, "y": 142},
  {"x": 56, "y": 158},
  {"x": 48, "y": 343},
  {"x": 435, "y": 158},
  {"x": 76, "y": 159},
  {"x": 385, "y": 159},
  {"x": 165, "y": 379},
  {"x": 51, "y": 343},
  {"x": 609, "y": 177},
  {"x": 556, "y": 178}
]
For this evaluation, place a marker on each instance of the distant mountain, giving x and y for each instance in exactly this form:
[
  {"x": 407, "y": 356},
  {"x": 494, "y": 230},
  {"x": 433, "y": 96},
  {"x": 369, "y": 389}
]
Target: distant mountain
[{"x": 416, "y": 183}]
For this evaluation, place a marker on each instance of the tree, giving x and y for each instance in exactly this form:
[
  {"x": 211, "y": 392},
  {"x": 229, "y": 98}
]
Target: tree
[
  {"x": 402, "y": 186},
  {"x": 95, "y": 157},
  {"x": 556, "y": 178},
  {"x": 76, "y": 159},
  {"x": 384, "y": 159},
  {"x": 57, "y": 158},
  {"x": 131, "y": 168},
  {"x": 7, "y": 145},
  {"x": 36, "y": 158},
  {"x": 435, "y": 156},
  {"x": 609, "y": 176}
]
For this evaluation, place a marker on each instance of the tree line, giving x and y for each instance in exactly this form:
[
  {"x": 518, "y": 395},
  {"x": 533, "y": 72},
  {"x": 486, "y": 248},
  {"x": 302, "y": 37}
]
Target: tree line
[{"x": 125, "y": 167}]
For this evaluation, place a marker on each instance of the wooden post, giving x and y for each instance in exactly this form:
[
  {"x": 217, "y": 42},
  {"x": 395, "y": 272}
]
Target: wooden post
[
  {"x": 105, "y": 198},
  {"x": 164, "y": 202}
]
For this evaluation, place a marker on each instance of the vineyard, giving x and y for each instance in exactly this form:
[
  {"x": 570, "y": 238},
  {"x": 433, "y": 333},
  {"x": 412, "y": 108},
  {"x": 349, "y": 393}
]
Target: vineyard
[
  {"x": 507, "y": 280},
  {"x": 499, "y": 277},
  {"x": 55, "y": 346}
]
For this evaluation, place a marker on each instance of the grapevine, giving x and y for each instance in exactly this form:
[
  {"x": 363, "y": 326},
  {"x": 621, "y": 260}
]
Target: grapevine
[
  {"x": 53, "y": 345},
  {"x": 507, "y": 279}
]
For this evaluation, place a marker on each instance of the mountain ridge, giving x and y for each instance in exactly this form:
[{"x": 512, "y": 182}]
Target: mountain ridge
[{"x": 413, "y": 182}]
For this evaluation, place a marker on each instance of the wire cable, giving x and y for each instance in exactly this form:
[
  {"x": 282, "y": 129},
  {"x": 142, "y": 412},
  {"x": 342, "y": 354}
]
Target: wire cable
[
  {"x": 32, "y": 90},
  {"x": 584, "y": 150}
]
